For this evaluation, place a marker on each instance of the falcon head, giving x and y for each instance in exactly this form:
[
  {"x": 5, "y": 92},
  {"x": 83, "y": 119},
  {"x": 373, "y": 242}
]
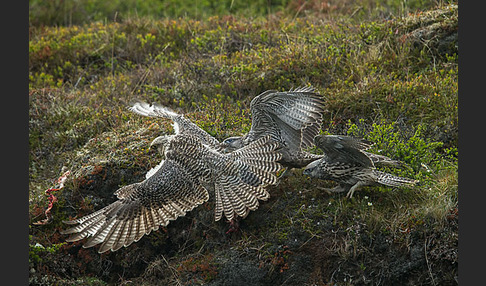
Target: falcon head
[
  {"x": 313, "y": 169},
  {"x": 232, "y": 143},
  {"x": 161, "y": 142}
]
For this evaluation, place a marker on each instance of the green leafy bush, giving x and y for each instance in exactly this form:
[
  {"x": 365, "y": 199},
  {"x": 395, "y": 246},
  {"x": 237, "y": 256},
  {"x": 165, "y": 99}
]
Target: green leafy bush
[
  {"x": 388, "y": 73},
  {"x": 423, "y": 156}
]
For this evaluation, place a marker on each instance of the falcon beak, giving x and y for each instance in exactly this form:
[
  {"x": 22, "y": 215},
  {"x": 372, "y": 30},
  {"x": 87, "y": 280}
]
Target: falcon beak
[{"x": 307, "y": 172}]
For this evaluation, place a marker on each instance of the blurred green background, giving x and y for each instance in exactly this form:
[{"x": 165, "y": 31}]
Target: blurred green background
[{"x": 76, "y": 12}]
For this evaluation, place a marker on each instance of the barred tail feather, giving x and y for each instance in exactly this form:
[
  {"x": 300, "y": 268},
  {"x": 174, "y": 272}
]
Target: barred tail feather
[
  {"x": 250, "y": 170},
  {"x": 223, "y": 205},
  {"x": 262, "y": 146},
  {"x": 235, "y": 197},
  {"x": 218, "y": 207},
  {"x": 260, "y": 154},
  {"x": 268, "y": 166},
  {"x": 267, "y": 176},
  {"x": 394, "y": 181}
]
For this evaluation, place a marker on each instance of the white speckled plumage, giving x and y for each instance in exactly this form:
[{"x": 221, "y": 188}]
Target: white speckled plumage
[
  {"x": 291, "y": 118},
  {"x": 192, "y": 165},
  {"x": 346, "y": 163}
]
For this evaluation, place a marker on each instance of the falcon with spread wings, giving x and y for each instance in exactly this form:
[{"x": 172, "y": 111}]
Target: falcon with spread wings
[
  {"x": 291, "y": 118},
  {"x": 191, "y": 166}
]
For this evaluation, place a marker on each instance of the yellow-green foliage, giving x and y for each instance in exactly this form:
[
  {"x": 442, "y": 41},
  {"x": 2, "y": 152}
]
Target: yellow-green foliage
[
  {"x": 364, "y": 68},
  {"x": 387, "y": 75},
  {"x": 423, "y": 156}
]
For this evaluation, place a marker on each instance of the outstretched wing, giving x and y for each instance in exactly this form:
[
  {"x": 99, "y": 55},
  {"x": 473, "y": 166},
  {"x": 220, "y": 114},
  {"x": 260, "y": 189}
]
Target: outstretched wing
[
  {"x": 344, "y": 149},
  {"x": 164, "y": 195},
  {"x": 292, "y": 117},
  {"x": 181, "y": 124}
]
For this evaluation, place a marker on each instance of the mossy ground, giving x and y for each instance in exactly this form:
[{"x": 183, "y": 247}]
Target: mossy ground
[{"x": 387, "y": 75}]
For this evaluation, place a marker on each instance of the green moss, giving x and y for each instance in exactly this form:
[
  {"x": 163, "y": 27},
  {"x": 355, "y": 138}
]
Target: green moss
[
  {"x": 380, "y": 82},
  {"x": 37, "y": 250}
]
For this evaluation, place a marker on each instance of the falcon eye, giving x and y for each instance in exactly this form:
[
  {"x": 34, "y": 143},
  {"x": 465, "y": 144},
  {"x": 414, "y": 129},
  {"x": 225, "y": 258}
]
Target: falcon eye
[{"x": 229, "y": 140}]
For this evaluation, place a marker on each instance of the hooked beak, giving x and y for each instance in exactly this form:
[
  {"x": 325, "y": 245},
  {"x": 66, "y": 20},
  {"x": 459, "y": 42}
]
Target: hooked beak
[
  {"x": 307, "y": 172},
  {"x": 311, "y": 167}
]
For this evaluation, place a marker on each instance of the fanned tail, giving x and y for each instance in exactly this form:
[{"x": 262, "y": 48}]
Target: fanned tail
[
  {"x": 258, "y": 159},
  {"x": 235, "y": 197},
  {"x": 394, "y": 181},
  {"x": 250, "y": 170}
]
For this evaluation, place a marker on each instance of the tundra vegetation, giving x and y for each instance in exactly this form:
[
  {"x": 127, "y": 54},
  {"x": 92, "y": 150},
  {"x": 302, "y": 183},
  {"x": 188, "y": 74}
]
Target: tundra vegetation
[{"x": 388, "y": 71}]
